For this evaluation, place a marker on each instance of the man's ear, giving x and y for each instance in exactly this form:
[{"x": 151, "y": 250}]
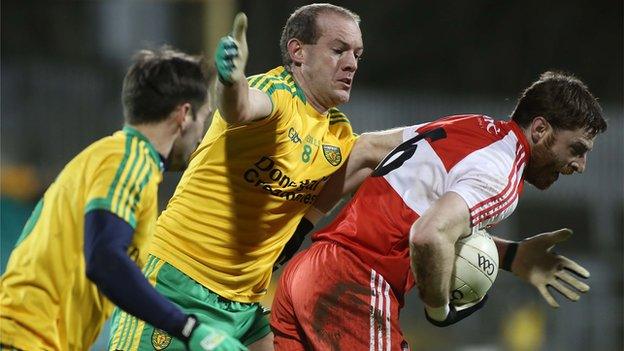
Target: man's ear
[
  {"x": 182, "y": 115},
  {"x": 539, "y": 129},
  {"x": 295, "y": 50}
]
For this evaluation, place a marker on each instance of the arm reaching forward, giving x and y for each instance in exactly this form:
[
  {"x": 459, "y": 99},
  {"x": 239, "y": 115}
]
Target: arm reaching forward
[{"x": 369, "y": 149}]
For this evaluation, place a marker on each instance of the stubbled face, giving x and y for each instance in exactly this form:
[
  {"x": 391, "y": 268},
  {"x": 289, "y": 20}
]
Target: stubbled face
[
  {"x": 189, "y": 139},
  {"x": 329, "y": 66},
  {"x": 558, "y": 152}
]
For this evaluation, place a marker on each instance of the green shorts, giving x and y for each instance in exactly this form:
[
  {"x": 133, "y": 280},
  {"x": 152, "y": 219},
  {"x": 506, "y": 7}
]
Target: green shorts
[{"x": 244, "y": 321}]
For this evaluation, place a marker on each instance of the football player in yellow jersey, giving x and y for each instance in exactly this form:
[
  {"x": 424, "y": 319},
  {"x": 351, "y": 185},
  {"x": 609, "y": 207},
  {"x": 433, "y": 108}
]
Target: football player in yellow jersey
[
  {"x": 85, "y": 240},
  {"x": 272, "y": 146}
]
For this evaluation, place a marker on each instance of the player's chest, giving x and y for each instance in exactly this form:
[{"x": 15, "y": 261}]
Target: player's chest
[{"x": 311, "y": 149}]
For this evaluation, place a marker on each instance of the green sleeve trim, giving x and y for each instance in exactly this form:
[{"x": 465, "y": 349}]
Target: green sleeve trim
[
  {"x": 104, "y": 204},
  {"x": 30, "y": 224},
  {"x": 98, "y": 204}
]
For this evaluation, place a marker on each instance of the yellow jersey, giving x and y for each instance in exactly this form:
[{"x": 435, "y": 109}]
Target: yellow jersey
[
  {"x": 46, "y": 300},
  {"x": 246, "y": 189}
]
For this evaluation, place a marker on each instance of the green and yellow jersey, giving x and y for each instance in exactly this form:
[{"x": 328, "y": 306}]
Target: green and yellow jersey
[
  {"x": 246, "y": 189},
  {"x": 46, "y": 300}
]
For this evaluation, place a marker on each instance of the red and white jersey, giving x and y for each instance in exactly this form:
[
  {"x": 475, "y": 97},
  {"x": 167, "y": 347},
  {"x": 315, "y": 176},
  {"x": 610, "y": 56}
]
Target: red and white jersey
[{"x": 474, "y": 156}]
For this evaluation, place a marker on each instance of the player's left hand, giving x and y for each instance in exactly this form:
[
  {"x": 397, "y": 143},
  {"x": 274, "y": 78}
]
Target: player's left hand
[
  {"x": 536, "y": 264},
  {"x": 231, "y": 53}
]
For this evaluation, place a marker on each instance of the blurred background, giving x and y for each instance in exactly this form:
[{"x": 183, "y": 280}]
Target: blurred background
[{"x": 62, "y": 65}]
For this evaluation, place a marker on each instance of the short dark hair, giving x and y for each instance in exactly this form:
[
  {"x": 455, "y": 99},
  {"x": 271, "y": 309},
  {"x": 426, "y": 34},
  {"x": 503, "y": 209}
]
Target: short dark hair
[
  {"x": 159, "y": 80},
  {"x": 302, "y": 25},
  {"x": 563, "y": 100}
]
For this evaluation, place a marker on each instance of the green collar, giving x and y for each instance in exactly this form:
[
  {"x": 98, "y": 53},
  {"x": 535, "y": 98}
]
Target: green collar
[
  {"x": 153, "y": 153},
  {"x": 287, "y": 76}
]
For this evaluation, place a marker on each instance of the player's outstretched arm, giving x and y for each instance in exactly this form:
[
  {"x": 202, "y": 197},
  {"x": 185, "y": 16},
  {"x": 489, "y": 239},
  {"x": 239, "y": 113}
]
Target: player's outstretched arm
[
  {"x": 369, "y": 149},
  {"x": 237, "y": 102},
  {"x": 107, "y": 238},
  {"x": 533, "y": 261}
]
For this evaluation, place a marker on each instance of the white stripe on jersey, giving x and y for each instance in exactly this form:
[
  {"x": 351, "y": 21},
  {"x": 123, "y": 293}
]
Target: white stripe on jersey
[
  {"x": 380, "y": 313},
  {"x": 388, "y": 325},
  {"x": 496, "y": 204},
  {"x": 372, "y": 310}
]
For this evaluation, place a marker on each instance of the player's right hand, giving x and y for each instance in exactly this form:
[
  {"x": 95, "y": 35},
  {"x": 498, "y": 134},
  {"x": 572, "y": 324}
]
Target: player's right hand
[
  {"x": 206, "y": 338},
  {"x": 231, "y": 53},
  {"x": 456, "y": 314}
]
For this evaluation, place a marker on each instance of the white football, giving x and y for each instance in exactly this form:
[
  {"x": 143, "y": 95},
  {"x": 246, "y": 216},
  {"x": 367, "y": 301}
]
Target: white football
[{"x": 476, "y": 267}]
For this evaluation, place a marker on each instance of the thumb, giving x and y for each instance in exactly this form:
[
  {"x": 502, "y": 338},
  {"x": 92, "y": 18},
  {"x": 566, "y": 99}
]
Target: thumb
[
  {"x": 239, "y": 29},
  {"x": 559, "y": 236}
]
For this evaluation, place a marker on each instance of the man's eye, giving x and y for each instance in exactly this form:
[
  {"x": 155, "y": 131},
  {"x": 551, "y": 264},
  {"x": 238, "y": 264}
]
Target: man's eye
[
  {"x": 338, "y": 51},
  {"x": 578, "y": 150}
]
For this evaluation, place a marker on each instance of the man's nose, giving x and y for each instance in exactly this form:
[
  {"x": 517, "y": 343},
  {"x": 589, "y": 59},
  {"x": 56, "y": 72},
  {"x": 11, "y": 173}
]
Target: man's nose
[
  {"x": 579, "y": 164},
  {"x": 350, "y": 62}
]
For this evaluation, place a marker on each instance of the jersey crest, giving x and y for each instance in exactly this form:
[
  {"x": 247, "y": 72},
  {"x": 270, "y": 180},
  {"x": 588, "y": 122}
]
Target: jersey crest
[
  {"x": 332, "y": 154},
  {"x": 160, "y": 339}
]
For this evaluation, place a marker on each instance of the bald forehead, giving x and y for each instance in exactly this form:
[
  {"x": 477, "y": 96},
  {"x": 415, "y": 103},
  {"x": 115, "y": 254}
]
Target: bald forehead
[{"x": 337, "y": 26}]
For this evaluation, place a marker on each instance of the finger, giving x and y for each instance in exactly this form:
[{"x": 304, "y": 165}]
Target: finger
[
  {"x": 574, "y": 267},
  {"x": 564, "y": 290},
  {"x": 575, "y": 283},
  {"x": 239, "y": 28},
  {"x": 558, "y": 236},
  {"x": 230, "y": 54},
  {"x": 547, "y": 296}
]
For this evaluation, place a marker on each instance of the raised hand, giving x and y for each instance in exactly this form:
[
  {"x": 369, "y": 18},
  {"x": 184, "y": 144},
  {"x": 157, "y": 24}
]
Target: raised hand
[{"x": 231, "y": 53}]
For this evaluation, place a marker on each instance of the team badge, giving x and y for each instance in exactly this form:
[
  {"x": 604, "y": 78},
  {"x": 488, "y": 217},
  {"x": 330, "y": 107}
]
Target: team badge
[
  {"x": 332, "y": 154},
  {"x": 160, "y": 339}
]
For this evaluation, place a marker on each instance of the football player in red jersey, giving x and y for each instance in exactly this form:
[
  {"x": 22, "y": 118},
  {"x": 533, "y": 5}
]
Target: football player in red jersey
[{"x": 446, "y": 179}]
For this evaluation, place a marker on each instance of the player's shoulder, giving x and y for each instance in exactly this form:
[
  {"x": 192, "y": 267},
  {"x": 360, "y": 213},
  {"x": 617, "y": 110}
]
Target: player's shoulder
[
  {"x": 475, "y": 125},
  {"x": 339, "y": 124},
  {"x": 108, "y": 147},
  {"x": 277, "y": 81},
  {"x": 336, "y": 116},
  {"x": 467, "y": 137},
  {"x": 122, "y": 148}
]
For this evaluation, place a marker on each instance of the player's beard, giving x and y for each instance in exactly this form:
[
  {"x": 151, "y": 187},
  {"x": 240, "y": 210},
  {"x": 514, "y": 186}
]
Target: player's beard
[{"x": 544, "y": 166}]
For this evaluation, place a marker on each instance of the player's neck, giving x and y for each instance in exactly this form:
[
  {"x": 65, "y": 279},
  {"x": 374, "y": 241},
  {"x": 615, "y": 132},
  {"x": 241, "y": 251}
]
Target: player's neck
[
  {"x": 311, "y": 98},
  {"x": 160, "y": 135}
]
